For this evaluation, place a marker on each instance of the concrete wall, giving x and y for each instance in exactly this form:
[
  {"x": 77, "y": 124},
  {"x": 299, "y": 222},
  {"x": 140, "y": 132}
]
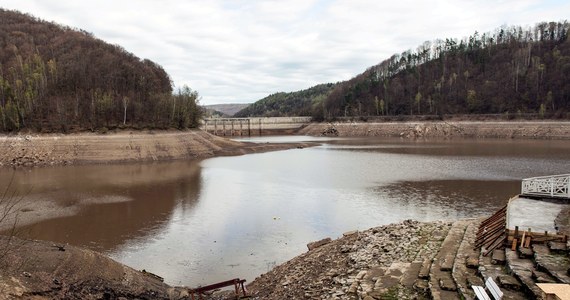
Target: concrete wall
[{"x": 254, "y": 126}]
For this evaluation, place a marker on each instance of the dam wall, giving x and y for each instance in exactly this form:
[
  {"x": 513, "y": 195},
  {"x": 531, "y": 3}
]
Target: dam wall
[{"x": 254, "y": 126}]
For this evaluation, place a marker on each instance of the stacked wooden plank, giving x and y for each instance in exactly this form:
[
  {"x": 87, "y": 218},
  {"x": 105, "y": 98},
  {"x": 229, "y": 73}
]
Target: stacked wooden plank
[{"x": 492, "y": 232}]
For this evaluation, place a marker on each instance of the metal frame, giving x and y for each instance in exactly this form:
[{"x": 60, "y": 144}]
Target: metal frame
[
  {"x": 237, "y": 283},
  {"x": 553, "y": 186}
]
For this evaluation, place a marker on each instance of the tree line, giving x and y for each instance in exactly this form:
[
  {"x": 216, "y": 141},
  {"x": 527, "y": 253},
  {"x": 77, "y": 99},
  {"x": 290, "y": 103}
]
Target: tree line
[
  {"x": 56, "y": 78},
  {"x": 300, "y": 103},
  {"x": 512, "y": 70}
]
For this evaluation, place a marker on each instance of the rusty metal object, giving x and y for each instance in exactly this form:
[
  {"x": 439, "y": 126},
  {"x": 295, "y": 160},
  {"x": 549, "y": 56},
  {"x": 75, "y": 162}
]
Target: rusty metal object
[{"x": 236, "y": 282}]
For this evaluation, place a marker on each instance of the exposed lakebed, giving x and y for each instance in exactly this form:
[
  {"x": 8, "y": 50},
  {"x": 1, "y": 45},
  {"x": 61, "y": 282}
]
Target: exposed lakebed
[{"x": 199, "y": 222}]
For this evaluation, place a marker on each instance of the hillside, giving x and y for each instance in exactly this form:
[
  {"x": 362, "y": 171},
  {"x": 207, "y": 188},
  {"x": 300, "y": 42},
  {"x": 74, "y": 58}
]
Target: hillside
[
  {"x": 512, "y": 71},
  {"x": 55, "y": 78},
  {"x": 300, "y": 103},
  {"x": 226, "y": 109}
]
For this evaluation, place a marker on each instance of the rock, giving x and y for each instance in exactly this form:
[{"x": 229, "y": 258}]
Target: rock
[
  {"x": 421, "y": 285},
  {"x": 525, "y": 253},
  {"x": 509, "y": 282},
  {"x": 361, "y": 275},
  {"x": 472, "y": 262},
  {"x": 447, "y": 284},
  {"x": 557, "y": 247},
  {"x": 541, "y": 277},
  {"x": 331, "y": 131},
  {"x": 318, "y": 244},
  {"x": 498, "y": 257},
  {"x": 424, "y": 270},
  {"x": 474, "y": 280},
  {"x": 348, "y": 233}
]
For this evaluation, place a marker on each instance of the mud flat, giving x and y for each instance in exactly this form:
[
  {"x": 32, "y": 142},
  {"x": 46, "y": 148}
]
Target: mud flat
[
  {"x": 42, "y": 270},
  {"x": 126, "y": 146},
  {"x": 443, "y": 129}
]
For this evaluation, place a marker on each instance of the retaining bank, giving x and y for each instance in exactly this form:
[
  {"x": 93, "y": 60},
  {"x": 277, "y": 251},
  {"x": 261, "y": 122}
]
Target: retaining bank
[{"x": 444, "y": 129}]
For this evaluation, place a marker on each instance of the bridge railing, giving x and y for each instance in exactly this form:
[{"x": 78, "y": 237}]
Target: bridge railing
[{"x": 552, "y": 186}]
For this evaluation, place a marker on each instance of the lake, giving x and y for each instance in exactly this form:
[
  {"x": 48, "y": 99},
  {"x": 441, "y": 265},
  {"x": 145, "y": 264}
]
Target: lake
[{"x": 200, "y": 222}]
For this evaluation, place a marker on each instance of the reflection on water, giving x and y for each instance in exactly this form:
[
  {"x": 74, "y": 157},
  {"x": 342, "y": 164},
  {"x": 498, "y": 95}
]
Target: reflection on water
[
  {"x": 465, "y": 198},
  {"x": 120, "y": 202},
  {"x": 202, "y": 222}
]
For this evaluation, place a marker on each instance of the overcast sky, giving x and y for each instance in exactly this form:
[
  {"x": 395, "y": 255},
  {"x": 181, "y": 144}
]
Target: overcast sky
[{"x": 241, "y": 51}]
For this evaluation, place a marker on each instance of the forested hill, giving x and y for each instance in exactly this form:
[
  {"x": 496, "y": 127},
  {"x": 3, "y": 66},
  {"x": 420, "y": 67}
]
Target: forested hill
[
  {"x": 55, "y": 78},
  {"x": 511, "y": 71},
  {"x": 300, "y": 103}
]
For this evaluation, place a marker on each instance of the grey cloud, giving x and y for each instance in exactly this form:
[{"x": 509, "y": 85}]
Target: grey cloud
[{"x": 241, "y": 51}]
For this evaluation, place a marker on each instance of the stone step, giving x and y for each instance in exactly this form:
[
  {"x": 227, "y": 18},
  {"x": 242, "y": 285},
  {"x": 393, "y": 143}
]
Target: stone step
[
  {"x": 400, "y": 279},
  {"x": 524, "y": 270},
  {"x": 498, "y": 257},
  {"x": 463, "y": 276},
  {"x": 551, "y": 262},
  {"x": 558, "y": 247},
  {"x": 409, "y": 278},
  {"x": 509, "y": 285},
  {"x": 442, "y": 285}
]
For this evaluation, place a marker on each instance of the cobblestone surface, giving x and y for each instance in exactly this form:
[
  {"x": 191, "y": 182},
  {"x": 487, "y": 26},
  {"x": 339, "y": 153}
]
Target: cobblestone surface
[{"x": 377, "y": 263}]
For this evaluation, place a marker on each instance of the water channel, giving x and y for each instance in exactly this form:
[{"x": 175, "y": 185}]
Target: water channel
[{"x": 199, "y": 222}]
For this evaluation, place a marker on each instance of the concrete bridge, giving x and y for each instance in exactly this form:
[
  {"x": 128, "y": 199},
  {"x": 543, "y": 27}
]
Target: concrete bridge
[{"x": 254, "y": 126}]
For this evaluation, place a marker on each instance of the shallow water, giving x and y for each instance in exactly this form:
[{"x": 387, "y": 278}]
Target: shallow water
[{"x": 199, "y": 222}]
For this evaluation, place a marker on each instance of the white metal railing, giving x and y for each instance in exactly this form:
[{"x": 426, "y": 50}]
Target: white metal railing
[{"x": 553, "y": 186}]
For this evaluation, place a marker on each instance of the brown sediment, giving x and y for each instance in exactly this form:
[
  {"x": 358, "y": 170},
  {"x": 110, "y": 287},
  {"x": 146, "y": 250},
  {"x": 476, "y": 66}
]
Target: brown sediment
[
  {"x": 126, "y": 146},
  {"x": 43, "y": 270},
  {"x": 445, "y": 129}
]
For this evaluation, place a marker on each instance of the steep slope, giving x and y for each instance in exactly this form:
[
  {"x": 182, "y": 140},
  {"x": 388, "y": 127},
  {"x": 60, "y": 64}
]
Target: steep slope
[
  {"x": 512, "y": 71},
  {"x": 53, "y": 77}
]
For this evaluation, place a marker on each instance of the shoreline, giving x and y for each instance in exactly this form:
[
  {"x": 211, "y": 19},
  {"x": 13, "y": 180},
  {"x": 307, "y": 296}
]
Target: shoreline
[
  {"x": 343, "y": 263},
  {"x": 549, "y": 129},
  {"x": 33, "y": 150},
  {"x": 125, "y": 146}
]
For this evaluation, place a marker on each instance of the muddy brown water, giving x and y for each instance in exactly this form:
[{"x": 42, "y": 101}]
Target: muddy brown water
[{"x": 199, "y": 222}]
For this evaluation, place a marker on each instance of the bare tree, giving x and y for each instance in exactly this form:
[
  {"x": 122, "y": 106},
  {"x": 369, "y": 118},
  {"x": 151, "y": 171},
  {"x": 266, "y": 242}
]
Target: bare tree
[{"x": 10, "y": 201}]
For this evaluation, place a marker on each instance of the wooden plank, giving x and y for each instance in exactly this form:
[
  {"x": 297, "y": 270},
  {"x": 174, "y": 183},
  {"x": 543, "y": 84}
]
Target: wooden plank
[
  {"x": 492, "y": 226},
  {"x": 493, "y": 288},
  {"x": 498, "y": 242},
  {"x": 489, "y": 233},
  {"x": 480, "y": 293},
  {"x": 494, "y": 219},
  {"x": 501, "y": 213},
  {"x": 218, "y": 285},
  {"x": 490, "y": 237},
  {"x": 514, "y": 245},
  {"x": 522, "y": 239},
  {"x": 538, "y": 234},
  {"x": 492, "y": 241},
  {"x": 547, "y": 239},
  {"x": 527, "y": 242}
]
